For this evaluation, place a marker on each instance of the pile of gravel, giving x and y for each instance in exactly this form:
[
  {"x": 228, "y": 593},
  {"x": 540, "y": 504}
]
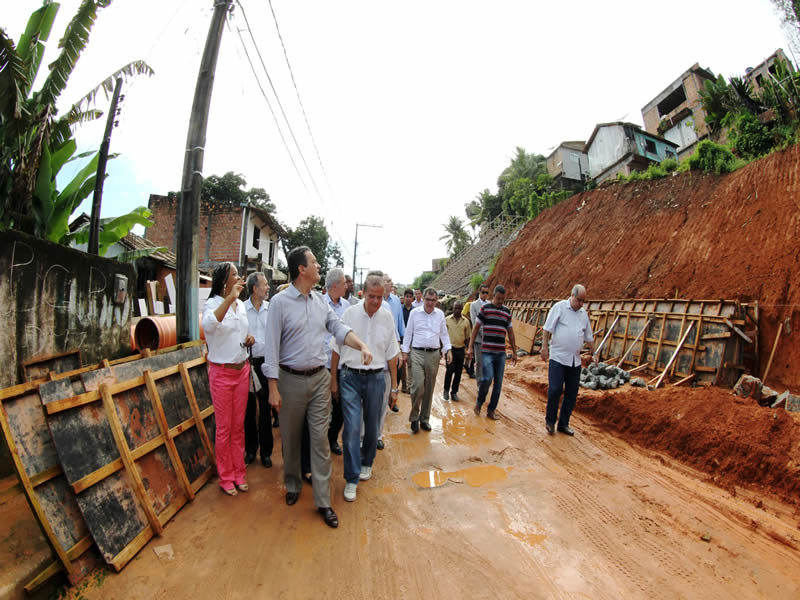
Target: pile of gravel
[{"x": 601, "y": 376}]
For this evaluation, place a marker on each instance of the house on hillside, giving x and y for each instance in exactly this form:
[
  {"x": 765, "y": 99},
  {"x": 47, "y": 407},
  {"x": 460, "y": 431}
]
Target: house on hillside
[
  {"x": 568, "y": 165},
  {"x": 758, "y": 74},
  {"x": 677, "y": 112},
  {"x": 245, "y": 234},
  {"x": 624, "y": 148}
]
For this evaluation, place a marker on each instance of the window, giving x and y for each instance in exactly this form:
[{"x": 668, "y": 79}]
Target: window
[
  {"x": 650, "y": 146},
  {"x": 671, "y": 102},
  {"x": 256, "y": 237}
]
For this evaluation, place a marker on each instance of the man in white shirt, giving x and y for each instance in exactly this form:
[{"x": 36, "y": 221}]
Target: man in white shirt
[
  {"x": 257, "y": 433},
  {"x": 417, "y": 299},
  {"x": 566, "y": 329},
  {"x": 425, "y": 333},
  {"x": 474, "y": 309},
  {"x": 360, "y": 387}
]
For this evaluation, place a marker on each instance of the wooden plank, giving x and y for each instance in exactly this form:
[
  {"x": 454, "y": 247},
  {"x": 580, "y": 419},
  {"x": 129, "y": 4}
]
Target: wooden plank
[
  {"x": 525, "y": 335},
  {"x": 121, "y": 559},
  {"x": 642, "y": 332},
  {"x": 199, "y": 421},
  {"x": 598, "y": 351},
  {"x": 71, "y": 402},
  {"x": 675, "y": 362},
  {"x": 684, "y": 380},
  {"x": 675, "y": 354},
  {"x": 772, "y": 354},
  {"x": 127, "y": 458},
  {"x": 170, "y": 443},
  {"x": 40, "y": 366},
  {"x": 660, "y": 341},
  {"x": 46, "y": 475},
  {"x": 716, "y": 336},
  {"x": 97, "y": 476},
  {"x": 738, "y": 331},
  {"x": 641, "y": 367},
  {"x": 696, "y": 347},
  {"x": 41, "y": 578}
]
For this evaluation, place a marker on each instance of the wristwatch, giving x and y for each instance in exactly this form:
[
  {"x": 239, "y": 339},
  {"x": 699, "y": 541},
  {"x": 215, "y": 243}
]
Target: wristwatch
[{"x": 395, "y": 390}]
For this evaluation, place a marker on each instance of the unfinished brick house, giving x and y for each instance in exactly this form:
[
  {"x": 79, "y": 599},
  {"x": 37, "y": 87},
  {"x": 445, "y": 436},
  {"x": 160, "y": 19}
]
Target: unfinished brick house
[
  {"x": 758, "y": 74},
  {"x": 677, "y": 112},
  {"x": 568, "y": 165},
  {"x": 245, "y": 234}
]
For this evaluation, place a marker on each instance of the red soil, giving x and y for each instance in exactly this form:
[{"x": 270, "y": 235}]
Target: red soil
[{"x": 734, "y": 236}]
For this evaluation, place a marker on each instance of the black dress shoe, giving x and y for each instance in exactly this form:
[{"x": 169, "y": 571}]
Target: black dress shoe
[
  {"x": 331, "y": 520},
  {"x": 395, "y": 408},
  {"x": 415, "y": 426},
  {"x": 291, "y": 497},
  {"x": 380, "y": 445},
  {"x": 566, "y": 430},
  {"x": 275, "y": 423},
  {"x": 550, "y": 428},
  {"x": 248, "y": 458},
  {"x": 336, "y": 448},
  {"x": 266, "y": 461},
  {"x": 425, "y": 426}
]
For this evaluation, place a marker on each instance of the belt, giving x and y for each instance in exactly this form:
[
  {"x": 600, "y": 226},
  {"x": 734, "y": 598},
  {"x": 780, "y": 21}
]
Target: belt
[
  {"x": 363, "y": 371},
  {"x": 238, "y": 366},
  {"x": 426, "y": 349},
  {"x": 306, "y": 373}
]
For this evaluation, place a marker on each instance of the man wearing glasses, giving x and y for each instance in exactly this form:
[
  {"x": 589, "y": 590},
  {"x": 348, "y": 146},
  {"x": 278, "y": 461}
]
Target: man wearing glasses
[
  {"x": 566, "y": 329},
  {"x": 474, "y": 309}
]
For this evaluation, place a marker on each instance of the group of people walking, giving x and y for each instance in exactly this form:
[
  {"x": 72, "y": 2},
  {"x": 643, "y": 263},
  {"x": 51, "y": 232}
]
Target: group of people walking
[{"x": 329, "y": 363}]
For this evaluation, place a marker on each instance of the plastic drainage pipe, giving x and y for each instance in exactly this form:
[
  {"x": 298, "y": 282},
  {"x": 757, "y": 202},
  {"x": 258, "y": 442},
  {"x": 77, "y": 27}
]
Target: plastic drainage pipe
[{"x": 157, "y": 332}]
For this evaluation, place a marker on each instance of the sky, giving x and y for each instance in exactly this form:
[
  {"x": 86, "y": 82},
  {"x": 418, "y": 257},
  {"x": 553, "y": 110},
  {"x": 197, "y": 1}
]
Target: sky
[{"x": 414, "y": 107}]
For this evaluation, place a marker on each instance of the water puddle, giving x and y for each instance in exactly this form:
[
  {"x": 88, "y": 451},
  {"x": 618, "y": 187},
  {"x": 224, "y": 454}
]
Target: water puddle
[{"x": 472, "y": 476}]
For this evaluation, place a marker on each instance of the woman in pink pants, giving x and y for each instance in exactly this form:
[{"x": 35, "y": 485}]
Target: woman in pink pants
[{"x": 225, "y": 326}]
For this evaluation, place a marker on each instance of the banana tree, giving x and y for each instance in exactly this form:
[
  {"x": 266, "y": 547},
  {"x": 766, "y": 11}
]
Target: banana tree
[{"x": 34, "y": 141}]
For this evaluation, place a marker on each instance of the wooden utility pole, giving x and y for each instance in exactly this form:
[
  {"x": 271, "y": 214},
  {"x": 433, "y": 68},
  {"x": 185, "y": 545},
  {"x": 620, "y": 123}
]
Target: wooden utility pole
[
  {"x": 186, "y": 312},
  {"x": 97, "y": 199}
]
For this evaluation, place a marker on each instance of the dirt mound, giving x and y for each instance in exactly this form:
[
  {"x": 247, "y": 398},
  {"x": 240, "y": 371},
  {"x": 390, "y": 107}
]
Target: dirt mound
[
  {"x": 732, "y": 439},
  {"x": 696, "y": 236}
]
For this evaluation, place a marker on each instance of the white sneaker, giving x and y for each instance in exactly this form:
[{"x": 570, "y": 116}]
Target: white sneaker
[
  {"x": 366, "y": 473},
  {"x": 350, "y": 492}
]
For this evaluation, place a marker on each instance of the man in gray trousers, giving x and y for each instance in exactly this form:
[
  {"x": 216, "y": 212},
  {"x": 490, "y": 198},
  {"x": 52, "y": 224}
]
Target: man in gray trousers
[
  {"x": 299, "y": 383},
  {"x": 474, "y": 309}
]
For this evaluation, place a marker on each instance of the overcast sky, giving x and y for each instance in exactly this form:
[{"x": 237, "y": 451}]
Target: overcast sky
[{"x": 415, "y": 107}]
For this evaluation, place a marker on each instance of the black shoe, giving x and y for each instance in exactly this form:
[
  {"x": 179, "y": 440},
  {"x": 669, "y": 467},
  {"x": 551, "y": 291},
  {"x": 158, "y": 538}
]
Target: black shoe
[
  {"x": 404, "y": 390},
  {"x": 425, "y": 426},
  {"x": 395, "y": 408},
  {"x": 331, "y": 520},
  {"x": 566, "y": 430},
  {"x": 550, "y": 428},
  {"x": 266, "y": 461},
  {"x": 415, "y": 426},
  {"x": 336, "y": 448},
  {"x": 275, "y": 423},
  {"x": 307, "y": 478},
  {"x": 380, "y": 445},
  {"x": 291, "y": 497},
  {"x": 248, "y": 458}
]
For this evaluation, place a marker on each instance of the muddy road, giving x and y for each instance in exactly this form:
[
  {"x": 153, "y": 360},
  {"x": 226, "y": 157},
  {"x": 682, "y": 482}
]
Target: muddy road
[{"x": 480, "y": 509}]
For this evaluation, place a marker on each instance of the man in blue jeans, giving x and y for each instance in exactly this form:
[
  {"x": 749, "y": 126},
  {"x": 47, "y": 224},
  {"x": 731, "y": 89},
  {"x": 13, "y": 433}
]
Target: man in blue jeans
[
  {"x": 566, "y": 329},
  {"x": 496, "y": 321},
  {"x": 361, "y": 386}
]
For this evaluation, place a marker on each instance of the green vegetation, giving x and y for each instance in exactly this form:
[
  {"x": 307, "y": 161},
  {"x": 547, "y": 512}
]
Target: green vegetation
[
  {"x": 456, "y": 237},
  {"x": 715, "y": 158},
  {"x": 475, "y": 281},
  {"x": 312, "y": 232},
  {"x": 422, "y": 281}
]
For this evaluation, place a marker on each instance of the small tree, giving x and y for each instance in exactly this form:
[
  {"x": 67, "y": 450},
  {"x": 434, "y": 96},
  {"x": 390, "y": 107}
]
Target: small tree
[{"x": 312, "y": 232}]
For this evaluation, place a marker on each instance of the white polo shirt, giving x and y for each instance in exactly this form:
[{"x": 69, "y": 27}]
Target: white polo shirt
[
  {"x": 224, "y": 339},
  {"x": 377, "y": 332},
  {"x": 568, "y": 330}
]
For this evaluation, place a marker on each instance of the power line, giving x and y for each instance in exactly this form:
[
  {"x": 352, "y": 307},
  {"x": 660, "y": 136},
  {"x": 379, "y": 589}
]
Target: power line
[{"x": 297, "y": 91}]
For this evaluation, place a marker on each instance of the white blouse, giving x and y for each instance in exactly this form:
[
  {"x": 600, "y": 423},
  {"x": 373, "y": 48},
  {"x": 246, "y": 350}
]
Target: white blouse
[{"x": 225, "y": 339}]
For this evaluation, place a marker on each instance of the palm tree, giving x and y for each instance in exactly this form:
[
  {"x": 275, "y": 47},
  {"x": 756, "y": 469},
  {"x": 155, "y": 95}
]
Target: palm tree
[
  {"x": 456, "y": 237},
  {"x": 523, "y": 165}
]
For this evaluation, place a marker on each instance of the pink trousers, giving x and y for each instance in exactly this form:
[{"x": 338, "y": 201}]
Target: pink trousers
[{"x": 229, "y": 395}]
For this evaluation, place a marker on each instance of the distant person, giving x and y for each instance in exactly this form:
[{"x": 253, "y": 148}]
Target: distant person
[
  {"x": 257, "y": 430},
  {"x": 458, "y": 330},
  {"x": 360, "y": 386},
  {"x": 226, "y": 331},
  {"x": 566, "y": 329},
  {"x": 417, "y": 298},
  {"x": 425, "y": 335},
  {"x": 469, "y": 365},
  {"x": 349, "y": 291},
  {"x": 336, "y": 282},
  {"x": 495, "y": 318},
  {"x": 408, "y": 299},
  {"x": 474, "y": 309},
  {"x": 299, "y": 383},
  {"x": 392, "y": 302}
]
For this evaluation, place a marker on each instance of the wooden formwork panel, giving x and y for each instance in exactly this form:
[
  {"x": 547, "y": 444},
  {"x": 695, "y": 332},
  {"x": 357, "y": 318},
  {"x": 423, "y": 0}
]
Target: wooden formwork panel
[{"x": 41, "y": 366}]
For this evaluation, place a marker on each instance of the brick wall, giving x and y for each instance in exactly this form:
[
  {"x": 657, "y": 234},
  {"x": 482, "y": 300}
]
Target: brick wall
[{"x": 219, "y": 229}]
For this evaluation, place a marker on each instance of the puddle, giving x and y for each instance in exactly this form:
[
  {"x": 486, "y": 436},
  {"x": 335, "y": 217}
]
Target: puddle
[{"x": 472, "y": 476}]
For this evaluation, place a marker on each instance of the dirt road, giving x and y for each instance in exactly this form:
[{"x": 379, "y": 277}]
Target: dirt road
[{"x": 479, "y": 509}]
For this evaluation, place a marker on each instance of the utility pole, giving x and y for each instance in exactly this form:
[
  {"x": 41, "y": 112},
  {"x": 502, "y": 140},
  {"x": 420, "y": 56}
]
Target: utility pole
[
  {"x": 186, "y": 312},
  {"x": 355, "y": 244},
  {"x": 102, "y": 160}
]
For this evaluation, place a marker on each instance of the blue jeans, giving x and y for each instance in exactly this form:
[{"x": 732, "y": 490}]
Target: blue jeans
[
  {"x": 566, "y": 379},
  {"x": 494, "y": 364},
  {"x": 360, "y": 395}
]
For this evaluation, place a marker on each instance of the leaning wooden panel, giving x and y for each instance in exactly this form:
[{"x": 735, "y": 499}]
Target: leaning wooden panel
[
  {"x": 51, "y": 499},
  {"x": 40, "y": 366}
]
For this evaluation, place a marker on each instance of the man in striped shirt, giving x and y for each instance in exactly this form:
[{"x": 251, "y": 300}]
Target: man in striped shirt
[{"x": 496, "y": 321}]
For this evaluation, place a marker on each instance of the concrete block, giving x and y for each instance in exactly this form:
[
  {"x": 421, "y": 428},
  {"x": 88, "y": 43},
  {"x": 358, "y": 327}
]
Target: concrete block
[
  {"x": 748, "y": 387},
  {"x": 793, "y": 403}
]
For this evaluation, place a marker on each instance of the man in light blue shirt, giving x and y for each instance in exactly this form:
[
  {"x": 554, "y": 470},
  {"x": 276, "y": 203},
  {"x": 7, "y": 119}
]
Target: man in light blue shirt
[{"x": 566, "y": 329}]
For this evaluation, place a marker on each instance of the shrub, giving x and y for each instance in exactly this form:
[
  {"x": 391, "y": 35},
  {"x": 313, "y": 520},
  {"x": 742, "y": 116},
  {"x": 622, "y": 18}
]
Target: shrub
[
  {"x": 711, "y": 157},
  {"x": 475, "y": 281},
  {"x": 750, "y": 138}
]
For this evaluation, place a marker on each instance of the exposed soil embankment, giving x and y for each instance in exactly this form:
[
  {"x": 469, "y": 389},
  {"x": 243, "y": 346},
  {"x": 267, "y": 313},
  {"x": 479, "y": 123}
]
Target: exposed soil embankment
[
  {"x": 735, "y": 441},
  {"x": 735, "y": 236}
]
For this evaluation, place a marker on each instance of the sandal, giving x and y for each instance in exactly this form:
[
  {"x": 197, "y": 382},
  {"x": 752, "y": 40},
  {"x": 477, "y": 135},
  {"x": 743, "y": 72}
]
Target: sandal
[
  {"x": 230, "y": 492},
  {"x": 242, "y": 487}
]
